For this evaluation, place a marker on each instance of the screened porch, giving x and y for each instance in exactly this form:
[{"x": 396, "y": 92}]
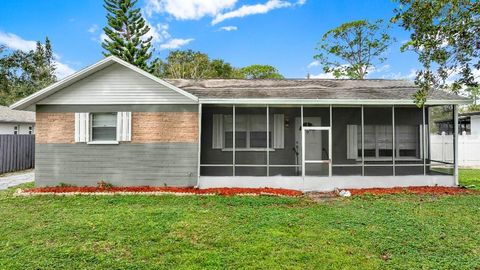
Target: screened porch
[{"x": 321, "y": 141}]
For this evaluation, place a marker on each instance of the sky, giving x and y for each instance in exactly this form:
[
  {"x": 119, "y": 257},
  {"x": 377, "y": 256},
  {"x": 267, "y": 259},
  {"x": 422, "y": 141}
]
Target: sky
[{"x": 282, "y": 33}]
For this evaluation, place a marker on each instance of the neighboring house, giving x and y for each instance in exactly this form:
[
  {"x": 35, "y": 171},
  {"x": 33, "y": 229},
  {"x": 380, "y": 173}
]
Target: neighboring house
[
  {"x": 16, "y": 122},
  {"x": 468, "y": 141},
  {"x": 116, "y": 123}
]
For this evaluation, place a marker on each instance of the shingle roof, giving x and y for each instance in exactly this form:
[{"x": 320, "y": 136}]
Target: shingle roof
[
  {"x": 306, "y": 89},
  {"x": 14, "y": 116}
]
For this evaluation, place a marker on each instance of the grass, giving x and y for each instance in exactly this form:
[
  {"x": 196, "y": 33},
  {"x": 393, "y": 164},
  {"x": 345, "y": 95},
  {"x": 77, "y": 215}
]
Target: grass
[
  {"x": 470, "y": 177},
  {"x": 141, "y": 232}
]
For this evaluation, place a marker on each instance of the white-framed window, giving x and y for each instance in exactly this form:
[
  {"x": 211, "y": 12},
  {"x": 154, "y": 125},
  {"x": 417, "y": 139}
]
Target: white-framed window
[
  {"x": 250, "y": 132},
  {"x": 30, "y": 130},
  {"x": 378, "y": 142},
  {"x": 15, "y": 130},
  {"x": 103, "y": 127}
]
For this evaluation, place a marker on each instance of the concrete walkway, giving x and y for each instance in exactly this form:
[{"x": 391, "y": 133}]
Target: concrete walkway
[{"x": 17, "y": 178}]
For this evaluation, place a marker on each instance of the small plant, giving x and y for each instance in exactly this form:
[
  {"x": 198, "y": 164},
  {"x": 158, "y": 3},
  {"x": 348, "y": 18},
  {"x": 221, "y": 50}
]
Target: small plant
[
  {"x": 104, "y": 185},
  {"x": 62, "y": 184}
]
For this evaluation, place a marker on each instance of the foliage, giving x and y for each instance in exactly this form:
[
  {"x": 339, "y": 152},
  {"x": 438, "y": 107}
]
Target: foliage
[
  {"x": 126, "y": 32},
  {"x": 353, "y": 48},
  {"x": 445, "y": 36},
  {"x": 474, "y": 94},
  {"x": 24, "y": 73},
  {"x": 260, "y": 72},
  {"x": 196, "y": 65},
  {"x": 168, "y": 232}
]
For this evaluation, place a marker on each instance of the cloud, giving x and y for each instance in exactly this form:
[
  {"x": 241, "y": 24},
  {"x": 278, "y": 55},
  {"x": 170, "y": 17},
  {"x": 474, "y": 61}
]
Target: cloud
[
  {"x": 15, "y": 42},
  {"x": 188, "y": 9},
  {"x": 175, "y": 43},
  {"x": 158, "y": 32},
  {"x": 401, "y": 76},
  {"x": 322, "y": 76},
  {"x": 315, "y": 63},
  {"x": 62, "y": 70},
  {"x": 93, "y": 29},
  {"x": 247, "y": 10},
  {"x": 228, "y": 28}
]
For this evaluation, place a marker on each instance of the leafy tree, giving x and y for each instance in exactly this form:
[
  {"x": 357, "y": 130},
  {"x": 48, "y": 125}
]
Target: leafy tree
[
  {"x": 474, "y": 94},
  {"x": 192, "y": 65},
  {"x": 445, "y": 36},
  {"x": 126, "y": 32},
  {"x": 353, "y": 48},
  {"x": 219, "y": 69},
  {"x": 23, "y": 73},
  {"x": 260, "y": 72}
]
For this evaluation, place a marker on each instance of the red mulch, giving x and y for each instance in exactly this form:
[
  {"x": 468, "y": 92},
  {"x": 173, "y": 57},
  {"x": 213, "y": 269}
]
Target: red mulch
[
  {"x": 218, "y": 191},
  {"x": 414, "y": 190}
]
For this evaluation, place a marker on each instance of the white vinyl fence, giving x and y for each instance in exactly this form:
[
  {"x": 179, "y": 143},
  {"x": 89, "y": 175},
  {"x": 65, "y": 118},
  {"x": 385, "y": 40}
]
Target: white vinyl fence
[{"x": 468, "y": 149}]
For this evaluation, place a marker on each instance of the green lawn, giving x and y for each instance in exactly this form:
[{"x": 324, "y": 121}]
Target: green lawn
[
  {"x": 469, "y": 177},
  {"x": 140, "y": 232}
]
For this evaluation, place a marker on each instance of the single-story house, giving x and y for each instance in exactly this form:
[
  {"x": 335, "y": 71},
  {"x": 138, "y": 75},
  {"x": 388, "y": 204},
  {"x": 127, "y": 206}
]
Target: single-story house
[
  {"x": 16, "y": 122},
  {"x": 115, "y": 122}
]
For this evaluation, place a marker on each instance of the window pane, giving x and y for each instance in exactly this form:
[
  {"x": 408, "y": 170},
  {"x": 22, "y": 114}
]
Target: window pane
[
  {"x": 104, "y": 126},
  {"x": 104, "y": 120},
  {"x": 104, "y": 133},
  {"x": 259, "y": 139}
]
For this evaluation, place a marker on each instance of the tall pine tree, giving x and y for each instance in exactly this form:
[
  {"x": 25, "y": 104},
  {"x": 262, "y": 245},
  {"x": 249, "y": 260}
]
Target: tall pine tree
[{"x": 126, "y": 32}]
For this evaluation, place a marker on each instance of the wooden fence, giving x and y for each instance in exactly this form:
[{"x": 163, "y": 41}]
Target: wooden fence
[{"x": 17, "y": 152}]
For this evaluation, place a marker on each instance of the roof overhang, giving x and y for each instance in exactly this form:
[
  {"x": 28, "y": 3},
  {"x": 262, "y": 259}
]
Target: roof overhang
[
  {"x": 266, "y": 101},
  {"x": 29, "y": 102}
]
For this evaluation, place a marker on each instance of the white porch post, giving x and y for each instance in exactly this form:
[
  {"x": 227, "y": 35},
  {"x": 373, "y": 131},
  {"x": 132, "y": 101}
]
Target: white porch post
[
  {"x": 363, "y": 142},
  {"x": 455, "y": 143},
  {"x": 233, "y": 137},
  {"x": 199, "y": 141}
]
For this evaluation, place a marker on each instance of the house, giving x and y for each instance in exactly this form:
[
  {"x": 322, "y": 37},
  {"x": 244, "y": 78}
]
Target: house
[
  {"x": 115, "y": 122},
  {"x": 16, "y": 122}
]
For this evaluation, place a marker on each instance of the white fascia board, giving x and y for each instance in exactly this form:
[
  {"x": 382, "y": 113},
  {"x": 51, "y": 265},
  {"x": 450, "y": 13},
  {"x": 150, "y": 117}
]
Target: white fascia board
[
  {"x": 328, "y": 101},
  {"x": 49, "y": 90}
]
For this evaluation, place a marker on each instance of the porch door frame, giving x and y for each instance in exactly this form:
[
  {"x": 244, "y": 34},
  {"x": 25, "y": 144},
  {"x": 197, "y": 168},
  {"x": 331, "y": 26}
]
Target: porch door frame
[{"x": 329, "y": 160}]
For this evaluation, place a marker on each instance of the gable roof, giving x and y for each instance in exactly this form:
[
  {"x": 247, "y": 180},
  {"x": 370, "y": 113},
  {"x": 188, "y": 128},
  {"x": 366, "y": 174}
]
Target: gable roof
[
  {"x": 8, "y": 115},
  {"x": 317, "y": 90},
  {"x": 26, "y": 103}
]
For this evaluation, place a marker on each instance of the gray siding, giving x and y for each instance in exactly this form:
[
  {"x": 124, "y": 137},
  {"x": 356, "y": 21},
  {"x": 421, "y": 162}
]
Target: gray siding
[
  {"x": 156, "y": 164},
  {"x": 116, "y": 84}
]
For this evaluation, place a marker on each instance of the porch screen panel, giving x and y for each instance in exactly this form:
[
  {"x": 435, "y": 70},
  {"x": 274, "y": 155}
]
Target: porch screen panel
[
  {"x": 285, "y": 157},
  {"x": 441, "y": 140},
  {"x": 215, "y": 158},
  {"x": 408, "y": 140},
  {"x": 346, "y": 141},
  {"x": 251, "y": 141},
  {"x": 378, "y": 141}
]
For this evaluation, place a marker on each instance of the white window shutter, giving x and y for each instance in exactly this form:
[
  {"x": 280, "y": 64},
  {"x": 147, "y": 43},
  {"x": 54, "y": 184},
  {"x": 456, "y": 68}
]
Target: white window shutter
[
  {"x": 217, "y": 131},
  {"x": 278, "y": 131},
  {"x": 352, "y": 142},
  {"x": 124, "y": 126},
  {"x": 82, "y": 124}
]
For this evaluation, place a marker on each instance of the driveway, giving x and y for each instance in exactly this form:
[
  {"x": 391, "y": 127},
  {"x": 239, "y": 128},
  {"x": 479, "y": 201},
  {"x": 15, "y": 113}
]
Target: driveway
[{"x": 17, "y": 178}]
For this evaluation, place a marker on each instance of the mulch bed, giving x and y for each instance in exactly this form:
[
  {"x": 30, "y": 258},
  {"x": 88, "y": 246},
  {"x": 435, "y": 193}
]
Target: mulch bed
[
  {"x": 145, "y": 190},
  {"x": 413, "y": 190}
]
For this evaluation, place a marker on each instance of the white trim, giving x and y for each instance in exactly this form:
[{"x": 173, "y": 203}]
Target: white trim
[
  {"x": 49, "y": 90},
  {"x": 102, "y": 142},
  {"x": 286, "y": 101}
]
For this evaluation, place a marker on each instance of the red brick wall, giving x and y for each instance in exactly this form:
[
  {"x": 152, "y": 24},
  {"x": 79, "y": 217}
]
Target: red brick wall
[
  {"x": 55, "y": 128},
  {"x": 149, "y": 127}
]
